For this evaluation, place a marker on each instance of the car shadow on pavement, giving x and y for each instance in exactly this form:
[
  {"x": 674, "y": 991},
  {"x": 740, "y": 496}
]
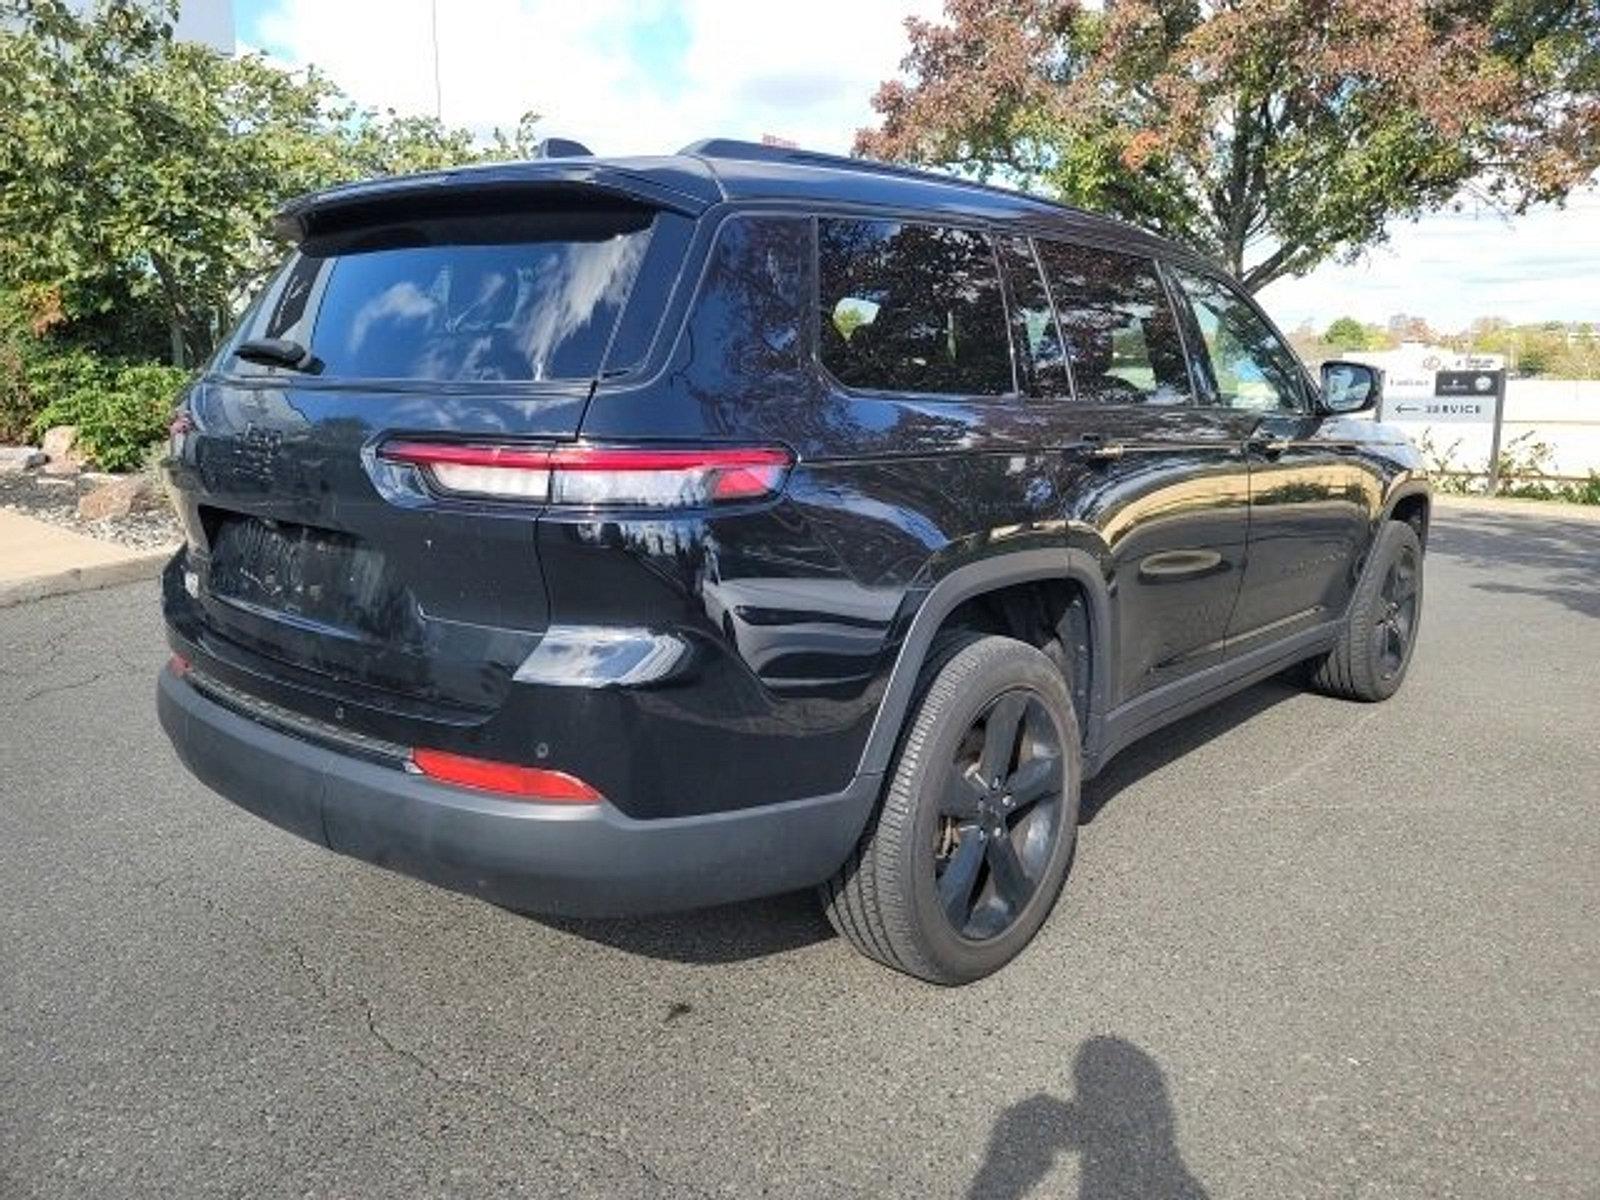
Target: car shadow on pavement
[
  {"x": 1174, "y": 741},
  {"x": 758, "y": 928},
  {"x": 1120, "y": 1124},
  {"x": 725, "y": 934},
  {"x": 1565, "y": 552}
]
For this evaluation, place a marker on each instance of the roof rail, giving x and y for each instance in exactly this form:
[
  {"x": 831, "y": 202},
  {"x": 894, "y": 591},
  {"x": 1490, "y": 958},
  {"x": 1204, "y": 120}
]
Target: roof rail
[{"x": 742, "y": 151}]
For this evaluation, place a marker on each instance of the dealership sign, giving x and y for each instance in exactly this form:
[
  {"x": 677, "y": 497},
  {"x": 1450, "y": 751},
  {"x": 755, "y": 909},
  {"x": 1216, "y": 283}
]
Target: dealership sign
[
  {"x": 1445, "y": 396},
  {"x": 1432, "y": 385}
]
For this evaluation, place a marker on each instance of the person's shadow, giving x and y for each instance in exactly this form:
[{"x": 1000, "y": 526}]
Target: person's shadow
[{"x": 1120, "y": 1124}]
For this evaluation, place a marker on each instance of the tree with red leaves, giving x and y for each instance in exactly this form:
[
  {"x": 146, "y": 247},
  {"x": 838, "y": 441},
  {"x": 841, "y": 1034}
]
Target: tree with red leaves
[{"x": 1272, "y": 134}]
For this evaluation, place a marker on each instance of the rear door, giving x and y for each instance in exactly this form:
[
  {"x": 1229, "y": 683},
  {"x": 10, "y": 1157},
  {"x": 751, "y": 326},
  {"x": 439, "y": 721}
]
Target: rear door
[
  {"x": 316, "y": 564},
  {"x": 1162, "y": 478},
  {"x": 1311, "y": 498}
]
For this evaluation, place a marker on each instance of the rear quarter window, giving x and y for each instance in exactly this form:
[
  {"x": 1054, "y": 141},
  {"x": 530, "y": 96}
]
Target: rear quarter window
[{"x": 909, "y": 307}]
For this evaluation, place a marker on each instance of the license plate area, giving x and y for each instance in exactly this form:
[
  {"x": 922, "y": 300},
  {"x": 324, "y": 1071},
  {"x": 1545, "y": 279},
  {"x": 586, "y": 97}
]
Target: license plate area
[{"x": 313, "y": 578}]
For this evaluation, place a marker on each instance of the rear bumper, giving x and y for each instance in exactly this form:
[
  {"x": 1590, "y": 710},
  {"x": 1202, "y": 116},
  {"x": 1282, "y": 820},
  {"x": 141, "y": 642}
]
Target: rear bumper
[{"x": 588, "y": 860}]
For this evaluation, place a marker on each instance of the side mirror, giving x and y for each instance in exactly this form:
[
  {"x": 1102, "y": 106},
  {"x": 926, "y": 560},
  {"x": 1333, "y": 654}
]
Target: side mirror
[{"x": 1349, "y": 387}]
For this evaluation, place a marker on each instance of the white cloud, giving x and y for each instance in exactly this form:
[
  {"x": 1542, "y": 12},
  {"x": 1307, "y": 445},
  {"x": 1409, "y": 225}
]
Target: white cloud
[
  {"x": 648, "y": 76},
  {"x": 802, "y": 72},
  {"x": 1452, "y": 267}
]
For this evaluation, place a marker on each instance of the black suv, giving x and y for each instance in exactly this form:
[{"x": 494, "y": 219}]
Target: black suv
[{"x": 603, "y": 536}]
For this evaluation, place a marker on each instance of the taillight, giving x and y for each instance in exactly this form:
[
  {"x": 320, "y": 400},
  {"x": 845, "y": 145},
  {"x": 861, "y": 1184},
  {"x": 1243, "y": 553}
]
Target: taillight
[
  {"x": 598, "y": 476},
  {"x": 508, "y": 779},
  {"x": 178, "y": 428}
]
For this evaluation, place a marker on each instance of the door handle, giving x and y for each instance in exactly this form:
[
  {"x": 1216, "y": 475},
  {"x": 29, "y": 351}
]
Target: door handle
[
  {"x": 1269, "y": 447},
  {"x": 1097, "y": 449}
]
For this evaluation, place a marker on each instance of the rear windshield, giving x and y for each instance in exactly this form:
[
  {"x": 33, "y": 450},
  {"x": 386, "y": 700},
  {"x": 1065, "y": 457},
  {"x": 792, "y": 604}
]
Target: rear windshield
[{"x": 497, "y": 299}]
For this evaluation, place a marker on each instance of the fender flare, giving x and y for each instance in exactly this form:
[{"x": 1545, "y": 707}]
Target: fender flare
[
  {"x": 1414, "y": 485},
  {"x": 975, "y": 579}
]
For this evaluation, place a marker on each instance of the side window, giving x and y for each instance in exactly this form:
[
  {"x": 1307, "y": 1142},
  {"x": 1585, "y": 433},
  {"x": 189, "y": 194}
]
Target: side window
[
  {"x": 1250, "y": 367},
  {"x": 1033, "y": 324},
  {"x": 1119, "y": 327},
  {"x": 751, "y": 308},
  {"x": 911, "y": 308}
]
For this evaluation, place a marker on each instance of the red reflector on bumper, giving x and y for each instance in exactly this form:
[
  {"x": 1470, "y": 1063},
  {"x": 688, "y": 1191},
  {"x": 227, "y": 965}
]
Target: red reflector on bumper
[{"x": 509, "y": 779}]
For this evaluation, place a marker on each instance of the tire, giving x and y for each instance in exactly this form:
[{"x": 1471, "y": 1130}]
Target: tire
[
  {"x": 1370, "y": 659},
  {"x": 953, "y": 878}
]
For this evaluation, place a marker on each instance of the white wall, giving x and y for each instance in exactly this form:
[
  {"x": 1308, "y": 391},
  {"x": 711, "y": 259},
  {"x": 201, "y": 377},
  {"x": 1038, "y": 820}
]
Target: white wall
[{"x": 1562, "y": 413}]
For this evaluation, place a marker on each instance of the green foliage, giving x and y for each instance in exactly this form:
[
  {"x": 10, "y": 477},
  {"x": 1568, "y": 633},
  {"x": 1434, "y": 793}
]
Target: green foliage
[
  {"x": 138, "y": 174},
  {"x": 1549, "y": 350},
  {"x": 1587, "y": 492},
  {"x": 1524, "y": 469},
  {"x": 1524, "y": 472},
  {"x": 34, "y": 376},
  {"x": 1346, "y": 333},
  {"x": 1443, "y": 469},
  {"x": 119, "y": 413},
  {"x": 17, "y": 408},
  {"x": 1275, "y": 136},
  {"x": 53, "y": 379}
]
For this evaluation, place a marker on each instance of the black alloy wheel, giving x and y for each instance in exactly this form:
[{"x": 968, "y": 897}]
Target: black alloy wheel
[
  {"x": 963, "y": 860},
  {"x": 1000, "y": 816},
  {"x": 1397, "y": 616}
]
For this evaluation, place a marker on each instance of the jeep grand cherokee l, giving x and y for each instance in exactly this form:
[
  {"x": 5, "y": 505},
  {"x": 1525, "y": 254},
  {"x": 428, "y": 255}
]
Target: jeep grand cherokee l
[{"x": 603, "y": 536}]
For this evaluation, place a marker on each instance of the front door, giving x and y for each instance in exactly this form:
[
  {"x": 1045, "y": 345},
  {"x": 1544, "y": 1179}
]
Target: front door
[{"x": 1311, "y": 501}]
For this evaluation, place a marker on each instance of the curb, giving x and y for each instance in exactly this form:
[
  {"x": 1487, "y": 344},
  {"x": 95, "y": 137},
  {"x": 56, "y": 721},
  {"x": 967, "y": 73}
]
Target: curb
[
  {"x": 133, "y": 569},
  {"x": 1554, "y": 510}
]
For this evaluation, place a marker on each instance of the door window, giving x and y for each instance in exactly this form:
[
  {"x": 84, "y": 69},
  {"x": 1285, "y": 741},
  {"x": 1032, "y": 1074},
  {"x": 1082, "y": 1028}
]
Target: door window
[
  {"x": 1119, "y": 327},
  {"x": 1249, "y": 367},
  {"x": 911, "y": 308}
]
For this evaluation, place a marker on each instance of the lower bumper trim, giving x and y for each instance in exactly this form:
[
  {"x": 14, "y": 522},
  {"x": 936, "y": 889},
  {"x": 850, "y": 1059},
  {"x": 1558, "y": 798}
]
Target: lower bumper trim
[{"x": 589, "y": 860}]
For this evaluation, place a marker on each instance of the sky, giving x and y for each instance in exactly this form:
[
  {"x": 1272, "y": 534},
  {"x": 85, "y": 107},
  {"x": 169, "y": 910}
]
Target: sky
[{"x": 650, "y": 76}]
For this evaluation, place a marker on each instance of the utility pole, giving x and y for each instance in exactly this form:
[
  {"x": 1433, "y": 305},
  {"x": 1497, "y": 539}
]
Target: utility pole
[{"x": 438, "y": 91}]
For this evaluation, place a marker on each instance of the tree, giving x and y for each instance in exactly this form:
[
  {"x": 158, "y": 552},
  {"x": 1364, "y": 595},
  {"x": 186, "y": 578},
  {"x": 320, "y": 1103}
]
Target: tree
[
  {"x": 1272, "y": 134},
  {"x": 137, "y": 171},
  {"x": 1346, "y": 333}
]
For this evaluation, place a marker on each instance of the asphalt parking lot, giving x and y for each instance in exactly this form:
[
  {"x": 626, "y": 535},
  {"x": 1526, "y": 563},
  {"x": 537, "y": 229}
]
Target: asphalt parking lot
[{"x": 1309, "y": 949}]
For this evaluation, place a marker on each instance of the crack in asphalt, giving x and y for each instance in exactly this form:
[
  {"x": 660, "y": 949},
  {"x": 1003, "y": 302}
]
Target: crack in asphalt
[
  {"x": 40, "y": 653},
  {"x": 1329, "y": 750},
  {"x": 56, "y": 688},
  {"x": 321, "y": 983}
]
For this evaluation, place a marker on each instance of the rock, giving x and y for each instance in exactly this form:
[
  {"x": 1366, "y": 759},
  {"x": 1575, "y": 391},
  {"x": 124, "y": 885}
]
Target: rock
[
  {"x": 20, "y": 458},
  {"x": 62, "y": 452},
  {"x": 119, "y": 498}
]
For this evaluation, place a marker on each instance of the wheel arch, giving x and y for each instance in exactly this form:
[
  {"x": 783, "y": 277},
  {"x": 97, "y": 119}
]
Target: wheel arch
[
  {"x": 974, "y": 583},
  {"x": 1412, "y": 503}
]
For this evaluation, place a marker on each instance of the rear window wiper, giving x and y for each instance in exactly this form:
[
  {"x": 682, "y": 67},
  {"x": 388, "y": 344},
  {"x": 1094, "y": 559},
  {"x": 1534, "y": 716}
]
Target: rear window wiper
[{"x": 279, "y": 352}]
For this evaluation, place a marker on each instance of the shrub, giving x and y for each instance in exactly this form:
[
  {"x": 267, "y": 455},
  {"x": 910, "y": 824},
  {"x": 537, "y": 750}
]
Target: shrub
[
  {"x": 1587, "y": 492},
  {"x": 34, "y": 379},
  {"x": 134, "y": 416},
  {"x": 54, "y": 378},
  {"x": 119, "y": 411},
  {"x": 17, "y": 405}
]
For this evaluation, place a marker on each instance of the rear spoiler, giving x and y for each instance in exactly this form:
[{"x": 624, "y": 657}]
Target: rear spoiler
[{"x": 496, "y": 187}]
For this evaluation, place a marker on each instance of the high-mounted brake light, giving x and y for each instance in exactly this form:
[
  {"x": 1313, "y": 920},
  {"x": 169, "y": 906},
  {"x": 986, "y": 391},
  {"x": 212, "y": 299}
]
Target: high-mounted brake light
[
  {"x": 509, "y": 779},
  {"x": 604, "y": 476}
]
